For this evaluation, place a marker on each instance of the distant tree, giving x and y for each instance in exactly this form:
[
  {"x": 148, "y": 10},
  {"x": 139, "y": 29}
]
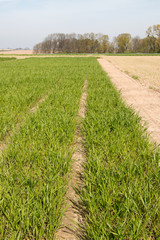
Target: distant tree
[
  {"x": 153, "y": 37},
  {"x": 123, "y": 42},
  {"x": 52, "y": 42},
  {"x": 135, "y": 42},
  {"x": 157, "y": 45},
  {"x": 92, "y": 43},
  {"x": 151, "y": 40},
  {"x": 143, "y": 46},
  {"x": 111, "y": 48},
  {"x": 37, "y": 48},
  {"x": 156, "y": 29},
  {"x": 46, "y": 46},
  {"x": 104, "y": 43}
]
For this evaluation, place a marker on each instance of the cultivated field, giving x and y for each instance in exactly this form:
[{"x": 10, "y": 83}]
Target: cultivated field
[
  {"x": 145, "y": 69},
  {"x": 145, "y": 100},
  {"x": 118, "y": 196},
  {"x": 34, "y": 166}
]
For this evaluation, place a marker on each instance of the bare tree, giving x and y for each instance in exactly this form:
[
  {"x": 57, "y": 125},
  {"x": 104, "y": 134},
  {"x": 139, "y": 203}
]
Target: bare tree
[
  {"x": 135, "y": 44},
  {"x": 92, "y": 43}
]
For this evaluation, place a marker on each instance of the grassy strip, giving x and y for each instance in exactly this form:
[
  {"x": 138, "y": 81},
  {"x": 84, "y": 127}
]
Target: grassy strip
[
  {"x": 121, "y": 197},
  {"x": 34, "y": 169}
]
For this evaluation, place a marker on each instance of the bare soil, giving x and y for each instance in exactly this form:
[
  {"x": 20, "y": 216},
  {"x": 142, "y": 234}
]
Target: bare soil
[
  {"x": 17, "y": 52},
  {"x": 146, "y": 69},
  {"x": 144, "y": 100},
  {"x": 72, "y": 218}
]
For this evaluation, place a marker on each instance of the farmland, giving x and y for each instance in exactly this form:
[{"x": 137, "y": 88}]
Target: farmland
[
  {"x": 145, "y": 69},
  {"x": 6, "y": 59},
  {"x": 34, "y": 167},
  {"x": 121, "y": 197},
  {"x": 16, "y": 52},
  {"x": 120, "y": 194}
]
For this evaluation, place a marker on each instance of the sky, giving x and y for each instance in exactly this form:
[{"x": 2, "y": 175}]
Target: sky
[{"x": 23, "y": 23}]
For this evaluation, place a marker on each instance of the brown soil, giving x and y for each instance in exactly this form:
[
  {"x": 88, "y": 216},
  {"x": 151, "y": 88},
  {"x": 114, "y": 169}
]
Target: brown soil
[
  {"x": 17, "y": 52},
  {"x": 144, "y": 100},
  {"x": 146, "y": 69},
  {"x": 72, "y": 218}
]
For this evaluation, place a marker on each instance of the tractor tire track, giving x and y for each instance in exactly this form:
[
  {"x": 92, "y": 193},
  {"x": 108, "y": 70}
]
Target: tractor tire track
[{"x": 72, "y": 218}]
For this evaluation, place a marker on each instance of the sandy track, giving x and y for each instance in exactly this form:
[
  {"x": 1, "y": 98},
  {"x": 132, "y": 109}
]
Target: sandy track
[
  {"x": 72, "y": 218},
  {"x": 145, "y": 101}
]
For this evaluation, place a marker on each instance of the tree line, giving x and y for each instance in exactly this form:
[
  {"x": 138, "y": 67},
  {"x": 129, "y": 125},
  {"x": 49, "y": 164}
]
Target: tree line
[{"x": 99, "y": 43}]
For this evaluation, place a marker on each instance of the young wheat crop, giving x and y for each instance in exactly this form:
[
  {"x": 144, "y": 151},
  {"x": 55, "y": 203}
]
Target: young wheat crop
[
  {"x": 34, "y": 168},
  {"x": 121, "y": 197}
]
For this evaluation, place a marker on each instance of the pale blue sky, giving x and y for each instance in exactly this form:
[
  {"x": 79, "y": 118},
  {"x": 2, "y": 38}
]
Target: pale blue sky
[{"x": 23, "y": 23}]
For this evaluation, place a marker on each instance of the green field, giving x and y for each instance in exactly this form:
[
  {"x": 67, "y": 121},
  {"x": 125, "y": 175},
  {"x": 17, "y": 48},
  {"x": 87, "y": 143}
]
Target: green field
[
  {"x": 34, "y": 168},
  {"x": 2, "y": 59},
  {"x": 120, "y": 198}
]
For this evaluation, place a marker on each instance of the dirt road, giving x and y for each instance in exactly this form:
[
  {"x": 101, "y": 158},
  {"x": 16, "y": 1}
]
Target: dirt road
[{"x": 145, "y": 101}]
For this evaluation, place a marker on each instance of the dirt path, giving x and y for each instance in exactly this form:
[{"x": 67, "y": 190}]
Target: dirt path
[
  {"x": 72, "y": 219},
  {"x": 145, "y": 101}
]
